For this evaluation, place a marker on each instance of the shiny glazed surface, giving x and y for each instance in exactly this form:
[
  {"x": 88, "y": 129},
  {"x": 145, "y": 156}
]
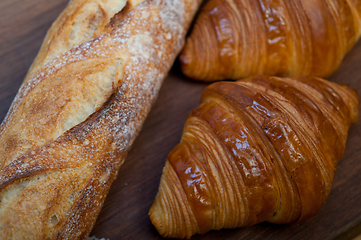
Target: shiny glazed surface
[
  {"x": 261, "y": 149},
  {"x": 233, "y": 39}
]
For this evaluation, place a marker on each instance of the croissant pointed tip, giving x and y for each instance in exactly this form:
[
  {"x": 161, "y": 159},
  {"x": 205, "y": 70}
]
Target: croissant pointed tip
[
  {"x": 170, "y": 216},
  {"x": 185, "y": 57},
  {"x": 198, "y": 55},
  {"x": 155, "y": 216}
]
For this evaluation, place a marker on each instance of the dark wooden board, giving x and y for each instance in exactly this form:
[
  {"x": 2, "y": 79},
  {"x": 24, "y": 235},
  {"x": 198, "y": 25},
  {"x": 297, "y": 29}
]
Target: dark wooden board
[{"x": 23, "y": 24}]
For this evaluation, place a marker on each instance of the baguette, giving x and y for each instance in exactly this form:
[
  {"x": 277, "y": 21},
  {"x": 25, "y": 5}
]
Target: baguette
[{"x": 79, "y": 109}]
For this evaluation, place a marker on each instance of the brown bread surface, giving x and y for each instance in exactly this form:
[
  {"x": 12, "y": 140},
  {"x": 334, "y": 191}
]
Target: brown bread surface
[{"x": 79, "y": 110}]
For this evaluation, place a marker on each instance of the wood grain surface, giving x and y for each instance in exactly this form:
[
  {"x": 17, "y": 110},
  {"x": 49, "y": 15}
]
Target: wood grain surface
[{"x": 23, "y": 24}]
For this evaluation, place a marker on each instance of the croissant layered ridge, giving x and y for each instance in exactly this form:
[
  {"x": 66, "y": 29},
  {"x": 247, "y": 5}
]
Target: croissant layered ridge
[
  {"x": 260, "y": 149},
  {"x": 233, "y": 39}
]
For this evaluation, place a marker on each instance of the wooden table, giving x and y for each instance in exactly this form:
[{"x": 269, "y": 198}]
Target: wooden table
[{"x": 23, "y": 25}]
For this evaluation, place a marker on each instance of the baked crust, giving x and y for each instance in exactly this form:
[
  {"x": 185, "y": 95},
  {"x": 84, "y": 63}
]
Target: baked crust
[
  {"x": 79, "y": 110},
  {"x": 254, "y": 150},
  {"x": 234, "y": 39}
]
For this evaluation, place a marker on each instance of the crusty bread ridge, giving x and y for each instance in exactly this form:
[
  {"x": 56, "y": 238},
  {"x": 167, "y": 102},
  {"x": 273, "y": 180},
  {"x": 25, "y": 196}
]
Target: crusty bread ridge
[{"x": 79, "y": 110}]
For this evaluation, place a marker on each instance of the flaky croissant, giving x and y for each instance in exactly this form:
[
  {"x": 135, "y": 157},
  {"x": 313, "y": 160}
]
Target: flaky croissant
[
  {"x": 261, "y": 149},
  {"x": 233, "y": 39}
]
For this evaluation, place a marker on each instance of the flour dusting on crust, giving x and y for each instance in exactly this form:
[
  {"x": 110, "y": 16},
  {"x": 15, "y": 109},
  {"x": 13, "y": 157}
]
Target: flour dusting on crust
[{"x": 141, "y": 43}]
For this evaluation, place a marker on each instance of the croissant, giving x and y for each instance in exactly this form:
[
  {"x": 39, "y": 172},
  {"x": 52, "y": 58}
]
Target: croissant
[
  {"x": 261, "y": 149},
  {"x": 233, "y": 39}
]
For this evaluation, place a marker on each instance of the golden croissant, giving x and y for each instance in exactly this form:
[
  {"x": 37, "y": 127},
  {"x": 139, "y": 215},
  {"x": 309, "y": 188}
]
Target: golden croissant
[
  {"x": 233, "y": 39},
  {"x": 261, "y": 149}
]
